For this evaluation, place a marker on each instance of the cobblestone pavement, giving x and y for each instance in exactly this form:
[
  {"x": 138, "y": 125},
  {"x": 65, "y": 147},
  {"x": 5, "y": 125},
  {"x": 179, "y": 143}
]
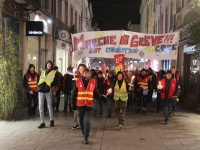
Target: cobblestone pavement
[{"x": 139, "y": 132}]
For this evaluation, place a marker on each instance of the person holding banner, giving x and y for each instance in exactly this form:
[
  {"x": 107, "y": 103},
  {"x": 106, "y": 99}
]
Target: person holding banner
[
  {"x": 121, "y": 89},
  {"x": 142, "y": 85}
]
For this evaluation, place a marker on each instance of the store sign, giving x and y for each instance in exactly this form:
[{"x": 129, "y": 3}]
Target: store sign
[
  {"x": 188, "y": 49},
  {"x": 132, "y": 44},
  {"x": 34, "y": 28},
  {"x": 64, "y": 35},
  {"x": 62, "y": 45}
]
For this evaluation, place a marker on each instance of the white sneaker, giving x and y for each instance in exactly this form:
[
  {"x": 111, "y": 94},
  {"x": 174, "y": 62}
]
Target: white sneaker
[{"x": 120, "y": 127}]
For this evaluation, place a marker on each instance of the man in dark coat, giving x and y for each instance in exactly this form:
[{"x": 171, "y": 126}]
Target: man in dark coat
[{"x": 67, "y": 88}]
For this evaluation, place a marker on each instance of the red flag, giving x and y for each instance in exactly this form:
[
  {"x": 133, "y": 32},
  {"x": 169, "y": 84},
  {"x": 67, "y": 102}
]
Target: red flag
[
  {"x": 119, "y": 60},
  {"x": 104, "y": 67}
]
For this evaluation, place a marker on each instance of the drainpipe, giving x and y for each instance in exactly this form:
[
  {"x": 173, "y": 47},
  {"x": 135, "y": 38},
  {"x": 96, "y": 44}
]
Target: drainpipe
[{"x": 54, "y": 30}]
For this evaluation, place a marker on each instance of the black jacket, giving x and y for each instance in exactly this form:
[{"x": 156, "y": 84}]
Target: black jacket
[
  {"x": 44, "y": 88},
  {"x": 74, "y": 95},
  {"x": 100, "y": 85},
  {"x": 68, "y": 83}
]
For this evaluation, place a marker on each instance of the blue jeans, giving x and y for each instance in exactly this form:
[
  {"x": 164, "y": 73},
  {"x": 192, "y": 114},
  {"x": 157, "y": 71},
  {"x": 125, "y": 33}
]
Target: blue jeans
[
  {"x": 110, "y": 101},
  {"x": 67, "y": 99},
  {"x": 167, "y": 111},
  {"x": 84, "y": 122},
  {"x": 96, "y": 102},
  {"x": 42, "y": 97}
]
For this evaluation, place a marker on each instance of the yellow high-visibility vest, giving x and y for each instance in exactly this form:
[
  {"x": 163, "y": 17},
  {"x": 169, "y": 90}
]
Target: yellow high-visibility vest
[
  {"x": 121, "y": 93},
  {"x": 48, "y": 79}
]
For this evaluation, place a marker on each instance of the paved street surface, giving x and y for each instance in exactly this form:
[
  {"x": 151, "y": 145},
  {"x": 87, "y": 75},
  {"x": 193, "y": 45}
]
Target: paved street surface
[{"x": 139, "y": 132}]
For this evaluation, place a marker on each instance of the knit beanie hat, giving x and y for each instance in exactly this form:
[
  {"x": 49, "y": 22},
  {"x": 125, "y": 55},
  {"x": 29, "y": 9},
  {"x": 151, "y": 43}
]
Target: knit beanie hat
[{"x": 31, "y": 65}]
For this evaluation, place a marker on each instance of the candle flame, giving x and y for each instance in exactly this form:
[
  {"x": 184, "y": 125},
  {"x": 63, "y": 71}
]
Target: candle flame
[
  {"x": 109, "y": 90},
  {"x": 74, "y": 70}
]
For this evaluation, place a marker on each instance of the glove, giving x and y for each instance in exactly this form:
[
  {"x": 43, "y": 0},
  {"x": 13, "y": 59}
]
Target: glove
[
  {"x": 159, "y": 90},
  {"x": 74, "y": 108}
]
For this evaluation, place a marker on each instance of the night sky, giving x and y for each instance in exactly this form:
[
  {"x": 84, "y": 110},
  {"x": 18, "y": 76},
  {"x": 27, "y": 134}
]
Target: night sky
[{"x": 115, "y": 17}]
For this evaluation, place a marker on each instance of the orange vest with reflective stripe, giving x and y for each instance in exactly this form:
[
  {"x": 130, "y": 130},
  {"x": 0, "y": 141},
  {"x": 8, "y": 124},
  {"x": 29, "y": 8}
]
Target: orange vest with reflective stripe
[
  {"x": 85, "y": 96},
  {"x": 32, "y": 82},
  {"x": 143, "y": 83}
]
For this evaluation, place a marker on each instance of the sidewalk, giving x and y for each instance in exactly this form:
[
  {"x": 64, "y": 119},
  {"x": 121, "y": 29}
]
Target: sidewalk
[{"x": 140, "y": 132}]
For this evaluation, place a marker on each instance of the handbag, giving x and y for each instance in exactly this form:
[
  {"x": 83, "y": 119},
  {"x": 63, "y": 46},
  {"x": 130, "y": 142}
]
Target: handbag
[
  {"x": 53, "y": 91},
  {"x": 154, "y": 96}
]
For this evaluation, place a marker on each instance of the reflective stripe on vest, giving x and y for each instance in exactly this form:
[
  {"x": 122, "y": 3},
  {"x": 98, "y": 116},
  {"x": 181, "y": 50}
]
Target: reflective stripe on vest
[
  {"x": 143, "y": 83},
  {"x": 121, "y": 93},
  {"x": 32, "y": 82},
  {"x": 85, "y": 97},
  {"x": 48, "y": 79}
]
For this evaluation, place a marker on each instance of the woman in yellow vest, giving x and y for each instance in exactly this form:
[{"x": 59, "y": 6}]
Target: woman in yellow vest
[
  {"x": 121, "y": 88},
  {"x": 48, "y": 79}
]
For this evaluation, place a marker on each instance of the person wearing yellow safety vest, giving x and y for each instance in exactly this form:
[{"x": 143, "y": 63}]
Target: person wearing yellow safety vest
[
  {"x": 142, "y": 85},
  {"x": 83, "y": 100},
  {"x": 30, "y": 81},
  {"x": 48, "y": 79},
  {"x": 121, "y": 88}
]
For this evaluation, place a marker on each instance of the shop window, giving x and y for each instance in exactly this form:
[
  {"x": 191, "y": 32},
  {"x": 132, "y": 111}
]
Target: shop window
[
  {"x": 33, "y": 44},
  {"x": 192, "y": 86},
  {"x": 43, "y": 41}
]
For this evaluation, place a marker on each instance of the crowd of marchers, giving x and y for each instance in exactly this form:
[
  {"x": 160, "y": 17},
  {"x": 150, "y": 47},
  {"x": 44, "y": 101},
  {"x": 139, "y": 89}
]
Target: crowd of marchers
[{"x": 85, "y": 91}]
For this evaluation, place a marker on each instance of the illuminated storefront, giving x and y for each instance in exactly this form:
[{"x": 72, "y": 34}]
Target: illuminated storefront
[
  {"x": 39, "y": 48},
  {"x": 62, "y": 56},
  {"x": 191, "y": 74}
]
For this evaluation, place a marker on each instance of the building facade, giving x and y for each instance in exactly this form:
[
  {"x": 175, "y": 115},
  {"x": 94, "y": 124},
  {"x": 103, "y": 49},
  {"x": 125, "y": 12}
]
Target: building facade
[
  {"x": 60, "y": 18},
  {"x": 76, "y": 16},
  {"x": 187, "y": 64},
  {"x": 175, "y": 16},
  {"x": 147, "y": 11},
  {"x": 144, "y": 16}
]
